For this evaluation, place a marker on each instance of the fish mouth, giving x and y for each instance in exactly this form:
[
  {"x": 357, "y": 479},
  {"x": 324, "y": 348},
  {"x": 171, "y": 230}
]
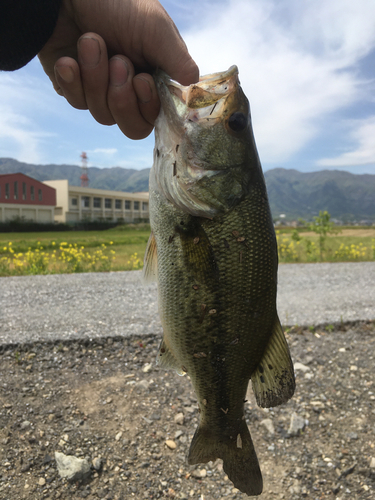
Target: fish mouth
[{"x": 202, "y": 100}]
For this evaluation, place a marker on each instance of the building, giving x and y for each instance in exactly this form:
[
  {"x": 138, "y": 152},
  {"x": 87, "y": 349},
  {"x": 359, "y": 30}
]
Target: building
[
  {"x": 22, "y": 196},
  {"x": 75, "y": 203}
]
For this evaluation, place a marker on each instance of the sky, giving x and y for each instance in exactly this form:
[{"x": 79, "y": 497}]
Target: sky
[{"x": 307, "y": 68}]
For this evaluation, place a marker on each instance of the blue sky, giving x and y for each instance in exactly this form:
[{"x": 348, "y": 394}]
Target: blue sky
[{"x": 307, "y": 68}]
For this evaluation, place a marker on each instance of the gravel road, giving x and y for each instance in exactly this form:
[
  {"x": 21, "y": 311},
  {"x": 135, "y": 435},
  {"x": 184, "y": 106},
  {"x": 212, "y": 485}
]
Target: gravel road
[{"x": 61, "y": 307}]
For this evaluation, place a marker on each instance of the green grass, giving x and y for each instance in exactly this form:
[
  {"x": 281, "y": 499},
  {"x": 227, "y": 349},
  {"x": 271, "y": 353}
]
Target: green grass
[
  {"x": 129, "y": 244},
  {"x": 350, "y": 244}
]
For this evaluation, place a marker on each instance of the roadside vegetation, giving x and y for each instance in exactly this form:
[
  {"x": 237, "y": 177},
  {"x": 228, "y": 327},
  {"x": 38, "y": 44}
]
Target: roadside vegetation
[
  {"x": 322, "y": 241},
  {"x": 122, "y": 248}
]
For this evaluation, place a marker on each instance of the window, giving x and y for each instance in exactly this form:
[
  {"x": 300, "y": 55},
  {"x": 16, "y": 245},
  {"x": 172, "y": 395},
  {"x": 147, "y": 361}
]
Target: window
[
  {"x": 136, "y": 205},
  {"x": 127, "y": 204},
  {"x": 108, "y": 203},
  {"x": 32, "y": 193},
  {"x": 15, "y": 194},
  {"x": 144, "y": 205},
  {"x": 7, "y": 194},
  {"x": 85, "y": 202},
  {"x": 118, "y": 204},
  {"x": 74, "y": 202},
  {"x": 40, "y": 195},
  {"x": 24, "y": 190},
  {"x": 97, "y": 202}
]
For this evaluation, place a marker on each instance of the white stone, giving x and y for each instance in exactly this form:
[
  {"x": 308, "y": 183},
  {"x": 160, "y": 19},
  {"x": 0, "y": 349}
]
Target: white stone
[
  {"x": 268, "y": 424},
  {"x": 297, "y": 424},
  {"x": 72, "y": 468},
  {"x": 300, "y": 366},
  {"x": 179, "y": 418}
]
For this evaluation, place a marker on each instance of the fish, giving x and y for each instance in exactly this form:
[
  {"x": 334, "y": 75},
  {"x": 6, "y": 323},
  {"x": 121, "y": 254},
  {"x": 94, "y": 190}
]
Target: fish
[{"x": 213, "y": 253}]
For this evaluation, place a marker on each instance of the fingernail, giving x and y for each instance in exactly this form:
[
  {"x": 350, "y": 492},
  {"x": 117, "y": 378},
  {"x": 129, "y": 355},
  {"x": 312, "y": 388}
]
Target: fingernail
[
  {"x": 88, "y": 51},
  {"x": 142, "y": 89},
  {"x": 65, "y": 73},
  {"x": 118, "y": 72}
]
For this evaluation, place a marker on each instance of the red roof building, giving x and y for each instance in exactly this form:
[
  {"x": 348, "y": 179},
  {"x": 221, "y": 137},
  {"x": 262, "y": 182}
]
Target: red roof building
[{"x": 22, "y": 196}]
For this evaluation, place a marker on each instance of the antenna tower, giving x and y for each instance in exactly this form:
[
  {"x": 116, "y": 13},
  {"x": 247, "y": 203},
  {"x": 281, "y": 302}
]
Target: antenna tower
[{"x": 84, "y": 177}]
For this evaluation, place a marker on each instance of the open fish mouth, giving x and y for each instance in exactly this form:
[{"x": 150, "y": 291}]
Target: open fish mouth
[
  {"x": 202, "y": 100},
  {"x": 201, "y": 133}
]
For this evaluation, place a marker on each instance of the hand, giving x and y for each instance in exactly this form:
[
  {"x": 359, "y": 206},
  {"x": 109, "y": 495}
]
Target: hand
[{"x": 82, "y": 62}]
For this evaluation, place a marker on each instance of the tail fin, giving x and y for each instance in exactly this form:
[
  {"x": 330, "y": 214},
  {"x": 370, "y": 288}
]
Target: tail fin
[{"x": 239, "y": 458}]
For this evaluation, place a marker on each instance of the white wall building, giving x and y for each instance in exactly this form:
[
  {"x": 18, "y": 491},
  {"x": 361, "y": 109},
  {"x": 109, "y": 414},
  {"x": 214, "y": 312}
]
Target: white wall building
[{"x": 75, "y": 203}]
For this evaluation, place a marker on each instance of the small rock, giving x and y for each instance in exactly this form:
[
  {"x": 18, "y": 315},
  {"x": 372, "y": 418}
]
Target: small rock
[
  {"x": 178, "y": 434},
  {"x": 199, "y": 473},
  {"x": 353, "y": 368},
  {"x": 336, "y": 489},
  {"x": 97, "y": 463},
  {"x": 109, "y": 401},
  {"x": 143, "y": 384},
  {"x": 171, "y": 444},
  {"x": 25, "y": 424},
  {"x": 118, "y": 436},
  {"x": 42, "y": 481},
  {"x": 147, "y": 368},
  {"x": 353, "y": 436},
  {"x": 297, "y": 424},
  {"x": 47, "y": 459},
  {"x": 73, "y": 468},
  {"x": 372, "y": 463},
  {"x": 179, "y": 418},
  {"x": 268, "y": 424},
  {"x": 300, "y": 366}
]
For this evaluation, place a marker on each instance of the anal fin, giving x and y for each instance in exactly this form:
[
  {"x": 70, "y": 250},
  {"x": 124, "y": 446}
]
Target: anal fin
[
  {"x": 165, "y": 359},
  {"x": 273, "y": 380}
]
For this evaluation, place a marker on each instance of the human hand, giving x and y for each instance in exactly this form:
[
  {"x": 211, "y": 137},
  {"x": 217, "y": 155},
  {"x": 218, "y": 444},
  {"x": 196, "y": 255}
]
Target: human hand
[{"x": 80, "y": 59}]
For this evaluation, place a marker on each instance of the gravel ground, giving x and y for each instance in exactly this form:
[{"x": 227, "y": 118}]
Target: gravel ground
[
  {"x": 77, "y": 376},
  {"x": 95, "y": 305},
  {"x": 106, "y": 400}
]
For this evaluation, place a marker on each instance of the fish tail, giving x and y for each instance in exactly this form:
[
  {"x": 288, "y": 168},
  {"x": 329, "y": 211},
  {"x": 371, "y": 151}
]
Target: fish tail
[{"x": 240, "y": 461}]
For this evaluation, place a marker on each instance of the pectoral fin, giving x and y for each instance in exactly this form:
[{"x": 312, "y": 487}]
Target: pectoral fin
[
  {"x": 273, "y": 380},
  {"x": 150, "y": 268}
]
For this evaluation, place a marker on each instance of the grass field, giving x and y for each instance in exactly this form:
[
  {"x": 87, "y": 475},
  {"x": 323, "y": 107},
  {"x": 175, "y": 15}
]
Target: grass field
[{"x": 123, "y": 248}]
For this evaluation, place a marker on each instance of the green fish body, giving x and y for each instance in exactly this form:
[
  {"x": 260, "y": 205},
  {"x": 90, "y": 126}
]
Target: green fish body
[{"x": 213, "y": 253}]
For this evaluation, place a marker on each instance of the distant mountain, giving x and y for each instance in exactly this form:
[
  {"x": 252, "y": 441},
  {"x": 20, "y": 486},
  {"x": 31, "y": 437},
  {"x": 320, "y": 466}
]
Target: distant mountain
[
  {"x": 115, "y": 178},
  {"x": 346, "y": 196},
  {"x": 296, "y": 194}
]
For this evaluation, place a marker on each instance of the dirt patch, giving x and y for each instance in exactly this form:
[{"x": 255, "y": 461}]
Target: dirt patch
[{"x": 104, "y": 399}]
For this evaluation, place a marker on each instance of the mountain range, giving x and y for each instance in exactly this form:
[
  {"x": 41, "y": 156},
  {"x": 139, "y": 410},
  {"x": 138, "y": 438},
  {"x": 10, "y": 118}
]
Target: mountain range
[{"x": 295, "y": 194}]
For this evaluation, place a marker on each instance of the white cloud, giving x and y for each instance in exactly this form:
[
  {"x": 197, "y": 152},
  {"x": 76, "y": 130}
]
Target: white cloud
[
  {"x": 363, "y": 135},
  {"x": 21, "y": 104},
  {"x": 295, "y": 61},
  {"x": 106, "y": 151}
]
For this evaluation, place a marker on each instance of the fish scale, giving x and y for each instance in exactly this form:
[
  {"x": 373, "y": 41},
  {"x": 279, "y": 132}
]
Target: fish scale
[{"x": 213, "y": 253}]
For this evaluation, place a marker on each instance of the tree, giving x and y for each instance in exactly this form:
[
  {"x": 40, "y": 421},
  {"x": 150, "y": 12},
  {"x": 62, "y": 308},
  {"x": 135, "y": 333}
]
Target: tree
[{"x": 322, "y": 226}]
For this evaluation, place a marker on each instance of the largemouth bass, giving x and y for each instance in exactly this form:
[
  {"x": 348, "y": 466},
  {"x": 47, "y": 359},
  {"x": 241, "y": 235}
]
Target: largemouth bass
[{"x": 213, "y": 253}]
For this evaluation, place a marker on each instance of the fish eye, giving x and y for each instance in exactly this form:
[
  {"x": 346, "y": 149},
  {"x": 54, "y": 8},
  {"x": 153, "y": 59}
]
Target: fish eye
[{"x": 237, "y": 122}]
